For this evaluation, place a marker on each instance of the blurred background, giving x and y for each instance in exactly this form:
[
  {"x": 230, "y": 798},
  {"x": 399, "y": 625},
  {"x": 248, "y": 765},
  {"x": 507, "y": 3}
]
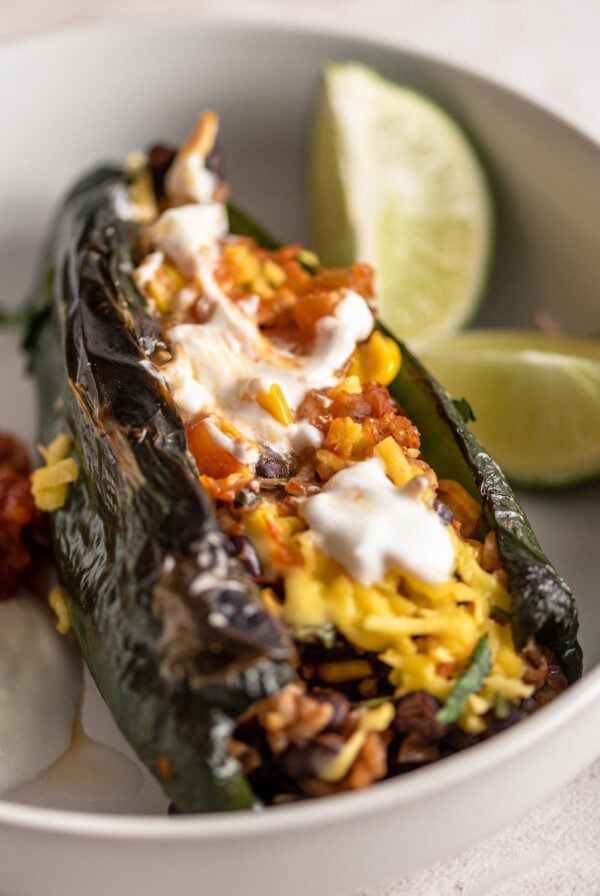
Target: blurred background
[{"x": 545, "y": 48}]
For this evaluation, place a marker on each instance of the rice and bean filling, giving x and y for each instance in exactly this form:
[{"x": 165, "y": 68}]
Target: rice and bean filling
[{"x": 393, "y": 589}]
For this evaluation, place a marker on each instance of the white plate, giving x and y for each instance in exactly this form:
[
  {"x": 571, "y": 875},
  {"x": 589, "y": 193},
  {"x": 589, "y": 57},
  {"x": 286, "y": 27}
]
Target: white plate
[{"x": 71, "y": 98}]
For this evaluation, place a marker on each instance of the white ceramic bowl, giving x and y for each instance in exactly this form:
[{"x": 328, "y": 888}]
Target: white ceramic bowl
[{"x": 70, "y": 98}]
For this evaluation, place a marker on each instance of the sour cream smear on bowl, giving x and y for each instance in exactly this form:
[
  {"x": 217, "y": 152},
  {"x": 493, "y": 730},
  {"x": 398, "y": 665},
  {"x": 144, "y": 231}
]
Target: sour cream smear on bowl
[{"x": 40, "y": 680}]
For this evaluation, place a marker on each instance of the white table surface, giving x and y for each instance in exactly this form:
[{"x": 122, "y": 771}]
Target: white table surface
[{"x": 548, "y": 49}]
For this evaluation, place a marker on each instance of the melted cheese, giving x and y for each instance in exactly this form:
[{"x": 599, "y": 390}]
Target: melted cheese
[
  {"x": 40, "y": 678},
  {"x": 368, "y": 525}
]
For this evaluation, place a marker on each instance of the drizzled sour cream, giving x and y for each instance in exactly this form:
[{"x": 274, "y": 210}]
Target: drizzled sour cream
[
  {"x": 189, "y": 235},
  {"x": 368, "y": 525},
  {"x": 222, "y": 365}
]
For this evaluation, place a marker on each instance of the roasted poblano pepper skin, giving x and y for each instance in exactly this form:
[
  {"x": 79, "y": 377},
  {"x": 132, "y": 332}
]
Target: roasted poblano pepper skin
[
  {"x": 543, "y": 605},
  {"x": 172, "y": 629}
]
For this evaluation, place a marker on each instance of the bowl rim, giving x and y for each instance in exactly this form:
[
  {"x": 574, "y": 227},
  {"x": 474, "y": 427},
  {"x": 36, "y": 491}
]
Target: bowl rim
[{"x": 418, "y": 784}]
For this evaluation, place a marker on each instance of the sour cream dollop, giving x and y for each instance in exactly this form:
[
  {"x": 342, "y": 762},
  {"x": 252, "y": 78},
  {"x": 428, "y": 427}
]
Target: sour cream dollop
[
  {"x": 40, "y": 679},
  {"x": 368, "y": 525}
]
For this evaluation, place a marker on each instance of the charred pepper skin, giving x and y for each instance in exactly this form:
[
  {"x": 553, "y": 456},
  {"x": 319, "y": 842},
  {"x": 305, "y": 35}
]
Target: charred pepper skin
[{"x": 171, "y": 626}]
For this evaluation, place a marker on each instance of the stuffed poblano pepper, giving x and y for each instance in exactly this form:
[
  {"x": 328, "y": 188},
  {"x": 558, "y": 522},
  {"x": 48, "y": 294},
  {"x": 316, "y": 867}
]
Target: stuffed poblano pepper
[{"x": 291, "y": 568}]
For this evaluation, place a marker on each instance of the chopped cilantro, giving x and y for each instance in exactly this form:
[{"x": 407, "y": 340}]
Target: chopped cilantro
[
  {"x": 309, "y": 260},
  {"x": 469, "y": 682},
  {"x": 464, "y": 409}
]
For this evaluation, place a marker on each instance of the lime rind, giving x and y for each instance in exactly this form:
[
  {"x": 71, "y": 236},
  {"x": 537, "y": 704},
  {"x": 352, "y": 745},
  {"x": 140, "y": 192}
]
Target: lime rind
[
  {"x": 394, "y": 181},
  {"x": 536, "y": 397}
]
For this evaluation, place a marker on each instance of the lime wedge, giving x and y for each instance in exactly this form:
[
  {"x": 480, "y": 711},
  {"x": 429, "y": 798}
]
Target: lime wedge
[
  {"x": 395, "y": 182},
  {"x": 536, "y": 397}
]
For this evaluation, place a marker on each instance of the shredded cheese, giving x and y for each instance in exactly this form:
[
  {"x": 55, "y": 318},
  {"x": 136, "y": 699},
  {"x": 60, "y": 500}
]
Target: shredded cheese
[
  {"x": 424, "y": 632},
  {"x": 57, "y": 600},
  {"x": 50, "y": 484}
]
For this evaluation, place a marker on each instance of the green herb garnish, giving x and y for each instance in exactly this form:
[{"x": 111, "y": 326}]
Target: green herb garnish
[
  {"x": 309, "y": 261},
  {"x": 242, "y": 225},
  {"x": 464, "y": 409},
  {"x": 469, "y": 682}
]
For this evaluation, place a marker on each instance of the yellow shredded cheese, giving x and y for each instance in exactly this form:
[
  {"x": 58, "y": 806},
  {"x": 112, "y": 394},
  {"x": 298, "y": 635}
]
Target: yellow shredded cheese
[
  {"x": 337, "y": 767},
  {"x": 424, "y": 632},
  {"x": 57, "y": 601},
  {"x": 50, "y": 484}
]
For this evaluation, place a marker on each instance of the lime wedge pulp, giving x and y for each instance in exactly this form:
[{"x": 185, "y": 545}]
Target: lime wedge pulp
[
  {"x": 536, "y": 397},
  {"x": 394, "y": 182}
]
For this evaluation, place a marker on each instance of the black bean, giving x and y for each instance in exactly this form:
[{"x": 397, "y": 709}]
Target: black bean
[
  {"x": 457, "y": 739},
  {"x": 272, "y": 466},
  {"x": 495, "y": 725},
  {"x": 159, "y": 162},
  {"x": 301, "y": 760},
  {"x": 339, "y": 703},
  {"x": 415, "y": 749},
  {"x": 416, "y": 712}
]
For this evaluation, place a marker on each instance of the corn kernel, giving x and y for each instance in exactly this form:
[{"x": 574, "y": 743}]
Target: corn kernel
[
  {"x": 274, "y": 402},
  {"x": 262, "y": 289},
  {"x": 245, "y": 263},
  {"x": 350, "y": 384},
  {"x": 377, "y": 361},
  {"x": 273, "y": 273},
  {"x": 164, "y": 286}
]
